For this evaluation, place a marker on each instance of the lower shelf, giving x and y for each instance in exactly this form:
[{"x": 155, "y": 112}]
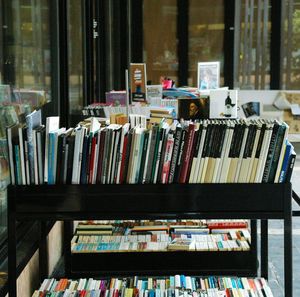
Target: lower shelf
[
  {"x": 178, "y": 285},
  {"x": 242, "y": 263}
]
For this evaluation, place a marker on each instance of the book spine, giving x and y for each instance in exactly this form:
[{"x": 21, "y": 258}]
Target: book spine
[
  {"x": 175, "y": 153},
  {"x": 144, "y": 155},
  {"x": 187, "y": 153},
  {"x": 151, "y": 154},
  {"x": 167, "y": 158},
  {"x": 277, "y": 150},
  {"x": 290, "y": 168},
  {"x": 285, "y": 162},
  {"x": 179, "y": 162},
  {"x": 270, "y": 153}
]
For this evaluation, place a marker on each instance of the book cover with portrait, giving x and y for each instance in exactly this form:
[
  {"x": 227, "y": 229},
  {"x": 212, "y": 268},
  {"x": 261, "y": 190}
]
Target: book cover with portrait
[{"x": 193, "y": 109}]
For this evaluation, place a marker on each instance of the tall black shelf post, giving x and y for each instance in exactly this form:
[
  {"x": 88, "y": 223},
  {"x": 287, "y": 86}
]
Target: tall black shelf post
[
  {"x": 12, "y": 244},
  {"x": 288, "y": 244}
]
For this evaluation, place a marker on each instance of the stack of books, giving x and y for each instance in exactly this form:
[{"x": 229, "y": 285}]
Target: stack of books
[
  {"x": 178, "y": 285},
  {"x": 209, "y": 151},
  {"x": 223, "y": 236}
]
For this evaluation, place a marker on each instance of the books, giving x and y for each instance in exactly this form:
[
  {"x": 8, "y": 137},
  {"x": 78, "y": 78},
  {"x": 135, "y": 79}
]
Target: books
[
  {"x": 208, "y": 151},
  {"x": 143, "y": 286},
  {"x": 157, "y": 236}
]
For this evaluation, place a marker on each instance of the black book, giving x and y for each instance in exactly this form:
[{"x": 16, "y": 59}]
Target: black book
[
  {"x": 260, "y": 141},
  {"x": 127, "y": 155},
  {"x": 177, "y": 142},
  {"x": 144, "y": 154},
  {"x": 180, "y": 154},
  {"x": 271, "y": 150},
  {"x": 154, "y": 129},
  {"x": 83, "y": 177},
  {"x": 277, "y": 151},
  {"x": 40, "y": 141},
  {"x": 162, "y": 155},
  {"x": 70, "y": 153}
]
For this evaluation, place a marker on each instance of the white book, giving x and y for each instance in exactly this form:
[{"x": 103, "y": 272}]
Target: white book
[
  {"x": 264, "y": 154},
  {"x": 22, "y": 157},
  {"x": 218, "y": 167},
  {"x": 26, "y": 163},
  {"x": 226, "y": 160},
  {"x": 34, "y": 144},
  {"x": 217, "y": 160},
  {"x": 197, "y": 172},
  {"x": 52, "y": 123},
  {"x": 281, "y": 156},
  {"x": 10, "y": 154},
  {"x": 115, "y": 154},
  {"x": 136, "y": 151},
  {"x": 79, "y": 135},
  {"x": 96, "y": 158},
  {"x": 240, "y": 159},
  {"x": 206, "y": 158}
]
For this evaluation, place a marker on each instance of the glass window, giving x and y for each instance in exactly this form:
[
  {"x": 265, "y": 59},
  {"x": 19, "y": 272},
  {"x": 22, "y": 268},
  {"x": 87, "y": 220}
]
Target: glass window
[
  {"x": 206, "y": 35},
  {"x": 25, "y": 81},
  {"x": 160, "y": 45},
  {"x": 252, "y": 44},
  {"x": 75, "y": 56},
  {"x": 291, "y": 45}
]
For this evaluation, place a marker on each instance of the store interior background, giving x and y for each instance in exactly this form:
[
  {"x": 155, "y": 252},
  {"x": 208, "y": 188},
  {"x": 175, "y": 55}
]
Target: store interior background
[{"x": 77, "y": 50}]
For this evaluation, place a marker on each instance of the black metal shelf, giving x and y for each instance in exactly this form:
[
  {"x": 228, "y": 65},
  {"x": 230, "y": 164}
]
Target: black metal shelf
[{"x": 218, "y": 201}]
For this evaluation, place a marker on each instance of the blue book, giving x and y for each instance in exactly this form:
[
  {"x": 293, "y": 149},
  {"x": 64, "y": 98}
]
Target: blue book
[
  {"x": 285, "y": 162},
  {"x": 182, "y": 281},
  {"x": 172, "y": 282}
]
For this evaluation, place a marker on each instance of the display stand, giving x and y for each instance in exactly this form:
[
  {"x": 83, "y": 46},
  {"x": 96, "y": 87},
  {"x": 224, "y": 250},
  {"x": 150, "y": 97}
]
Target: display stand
[{"x": 185, "y": 201}]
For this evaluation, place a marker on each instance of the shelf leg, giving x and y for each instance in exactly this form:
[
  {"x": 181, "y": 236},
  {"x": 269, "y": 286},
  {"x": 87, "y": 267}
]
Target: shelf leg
[
  {"x": 288, "y": 247},
  {"x": 254, "y": 245},
  {"x": 68, "y": 232},
  {"x": 264, "y": 254},
  {"x": 43, "y": 254},
  {"x": 12, "y": 255}
]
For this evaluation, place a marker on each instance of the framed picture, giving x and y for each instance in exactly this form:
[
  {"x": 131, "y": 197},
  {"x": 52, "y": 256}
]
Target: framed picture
[{"x": 208, "y": 75}]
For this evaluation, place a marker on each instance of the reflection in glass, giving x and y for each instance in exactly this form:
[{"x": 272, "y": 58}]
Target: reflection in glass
[
  {"x": 160, "y": 46},
  {"x": 26, "y": 33},
  {"x": 206, "y": 34},
  {"x": 75, "y": 56},
  {"x": 252, "y": 50},
  {"x": 291, "y": 45}
]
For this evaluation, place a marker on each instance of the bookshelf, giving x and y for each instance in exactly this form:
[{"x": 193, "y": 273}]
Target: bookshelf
[{"x": 77, "y": 202}]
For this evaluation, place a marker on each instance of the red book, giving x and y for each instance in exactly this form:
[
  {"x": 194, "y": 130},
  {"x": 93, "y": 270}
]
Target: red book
[
  {"x": 167, "y": 159},
  {"x": 82, "y": 293},
  {"x": 187, "y": 153},
  {"x": 92, "y": 159},
  {"x": 227, "y": 225}
]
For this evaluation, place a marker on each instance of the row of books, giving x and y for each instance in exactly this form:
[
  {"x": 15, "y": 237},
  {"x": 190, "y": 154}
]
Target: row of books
[
  {"x": 139, "y": 229},
  {"x": 209, "y": 151},
  {"x": 222, "y": 235},
  {"x": 173, "y": 286},
  {"x": 178, "y": 244},
  {"x": 232, "y": 235}
]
